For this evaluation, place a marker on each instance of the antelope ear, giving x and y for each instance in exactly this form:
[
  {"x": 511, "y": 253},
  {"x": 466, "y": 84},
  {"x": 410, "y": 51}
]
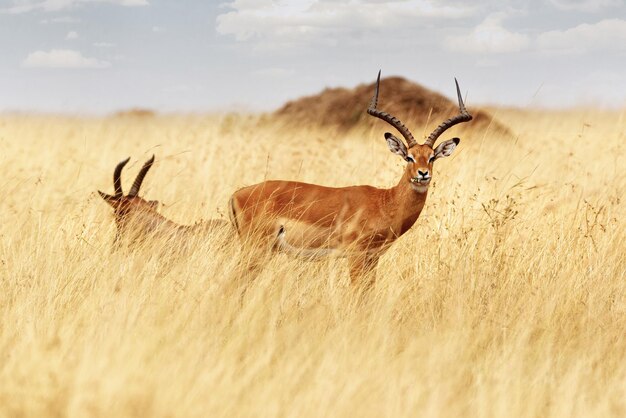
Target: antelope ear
[
  {"x": 111, "y": 200},
  {"x": 395, "y": 145},
  {"x": 446, "y": 148}
]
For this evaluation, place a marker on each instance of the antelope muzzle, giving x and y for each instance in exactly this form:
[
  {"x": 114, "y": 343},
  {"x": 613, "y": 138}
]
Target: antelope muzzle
[{"x": 422, "y": 177}]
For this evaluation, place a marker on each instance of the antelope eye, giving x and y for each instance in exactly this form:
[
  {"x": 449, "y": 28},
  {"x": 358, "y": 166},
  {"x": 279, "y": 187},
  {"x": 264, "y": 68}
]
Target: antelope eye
[
  {"x": 431, "y": 159},
  {"x": 410, "y": 158}
]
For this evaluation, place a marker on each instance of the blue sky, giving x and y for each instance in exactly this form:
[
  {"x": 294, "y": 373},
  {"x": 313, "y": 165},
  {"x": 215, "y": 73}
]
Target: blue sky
[{"x": 98, "y": 56}]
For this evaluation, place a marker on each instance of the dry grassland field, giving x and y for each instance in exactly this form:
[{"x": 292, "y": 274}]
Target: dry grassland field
[{"x": 507, "y": 298}]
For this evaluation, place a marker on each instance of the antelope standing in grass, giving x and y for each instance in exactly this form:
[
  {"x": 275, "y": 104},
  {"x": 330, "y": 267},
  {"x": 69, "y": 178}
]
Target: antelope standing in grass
[
  {"x": 357, "y": 222},
  {"x": 137, "y": 218}
]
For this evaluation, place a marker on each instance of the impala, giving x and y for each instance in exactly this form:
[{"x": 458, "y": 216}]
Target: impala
[
  {"x": 137, "y": 219},
  {"x": 357, "y": 222}
]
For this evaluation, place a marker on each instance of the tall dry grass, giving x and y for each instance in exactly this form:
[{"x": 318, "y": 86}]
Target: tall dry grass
[{"x": 507, "y": 298}]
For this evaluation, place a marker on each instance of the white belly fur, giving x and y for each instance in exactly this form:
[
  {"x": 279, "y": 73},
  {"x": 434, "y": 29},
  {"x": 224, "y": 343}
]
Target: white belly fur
[{"x": 302, "y": 251}]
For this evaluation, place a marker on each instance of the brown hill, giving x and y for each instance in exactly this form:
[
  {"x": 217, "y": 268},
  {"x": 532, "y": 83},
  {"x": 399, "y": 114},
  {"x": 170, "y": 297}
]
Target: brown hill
[
  {"x": 344, "y": 109},
  {"x": 136, "y": 112}
]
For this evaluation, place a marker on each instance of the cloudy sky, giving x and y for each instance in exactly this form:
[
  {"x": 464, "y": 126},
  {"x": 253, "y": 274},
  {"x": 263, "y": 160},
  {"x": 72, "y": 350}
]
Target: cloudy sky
[{"x": 97, "y": 56}]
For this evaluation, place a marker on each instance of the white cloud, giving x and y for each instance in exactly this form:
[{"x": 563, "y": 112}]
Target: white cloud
[
  {"x": 62, "y": 58},
  {"x": 103, "y": 45},
  {"x": 606, "y": 34},
  {"x": 71, "y": 35},
  {"x": 132, "y": 3},
  {"x": 592, "y": 6},
  {"x": 60, "y": 19},
  {"x": 489, "y": 37},
  {"x": 182, "y": 88},
  {"x": 24, "y": 6},
  {"x": 488, "y": 63},
  {"x": 274, "y": 72},
  {"x": 312, "y": 19},
  {"x": 157, "y": 29}
]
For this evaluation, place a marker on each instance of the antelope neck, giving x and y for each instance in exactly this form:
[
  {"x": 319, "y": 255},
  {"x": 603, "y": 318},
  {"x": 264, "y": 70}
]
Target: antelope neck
[{"x": 405, "y": 203}]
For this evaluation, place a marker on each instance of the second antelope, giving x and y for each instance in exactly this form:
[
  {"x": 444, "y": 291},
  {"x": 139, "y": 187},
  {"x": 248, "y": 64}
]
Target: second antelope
[
  {"x": 359, "y": 222},
  {"x": 137, "y": 219}
]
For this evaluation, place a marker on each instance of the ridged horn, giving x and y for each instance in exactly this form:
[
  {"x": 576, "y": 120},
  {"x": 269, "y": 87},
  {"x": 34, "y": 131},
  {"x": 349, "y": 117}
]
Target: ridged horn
[
  {"x": 117, "y": 180},
  {"x": 463, "y": 116},
  {"x": 392, "y": 120},
  {"x": 142, "y": 173}
]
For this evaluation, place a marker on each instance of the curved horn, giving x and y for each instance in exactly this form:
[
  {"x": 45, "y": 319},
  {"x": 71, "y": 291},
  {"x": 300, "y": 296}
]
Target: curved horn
[
  {"x": 392, "y": 120},
  {"x": 142, "y": 173},
  {"x": 463, "y": 116},
  {"x": 117, "y": 181}
]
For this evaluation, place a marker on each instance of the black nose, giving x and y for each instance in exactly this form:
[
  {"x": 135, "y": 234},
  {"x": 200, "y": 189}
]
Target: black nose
[{"x": 422, "y": 173}]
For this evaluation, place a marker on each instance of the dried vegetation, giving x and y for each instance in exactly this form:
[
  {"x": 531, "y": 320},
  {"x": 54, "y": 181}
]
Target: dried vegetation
[{"x": 508, "y": 298}]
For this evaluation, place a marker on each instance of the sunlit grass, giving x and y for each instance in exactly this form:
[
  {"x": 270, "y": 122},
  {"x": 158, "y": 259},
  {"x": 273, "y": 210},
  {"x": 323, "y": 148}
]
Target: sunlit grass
[{"x": 507, "y": 298}]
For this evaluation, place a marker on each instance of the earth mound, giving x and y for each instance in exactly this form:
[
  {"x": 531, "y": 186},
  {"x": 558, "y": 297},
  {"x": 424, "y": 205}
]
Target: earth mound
[
  {"x": 135, "y": 113},
  {"x": 413, "y": 104}
]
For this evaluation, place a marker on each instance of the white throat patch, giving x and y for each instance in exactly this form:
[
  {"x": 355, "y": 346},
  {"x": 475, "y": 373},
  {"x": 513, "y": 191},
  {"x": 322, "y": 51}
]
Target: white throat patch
[{"x": 419, "y": 188}]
